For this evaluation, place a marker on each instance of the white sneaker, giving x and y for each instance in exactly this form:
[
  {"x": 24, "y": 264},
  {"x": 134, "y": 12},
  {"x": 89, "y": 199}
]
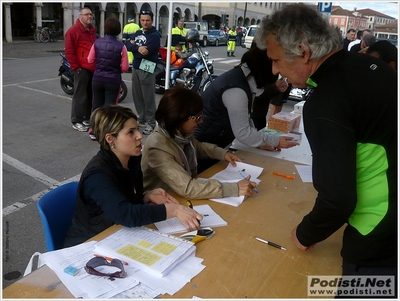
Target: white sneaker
[
  {"x": 142, "y": 125},
  {"x": 148, "y": 130},
  {"x": 80, "y": 127}
]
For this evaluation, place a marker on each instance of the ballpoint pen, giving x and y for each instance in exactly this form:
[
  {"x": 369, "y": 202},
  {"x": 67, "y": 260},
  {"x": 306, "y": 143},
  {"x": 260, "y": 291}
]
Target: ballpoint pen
[
  {"x": 244, "y": 176},
  {"x": 109, "y": 258},
  {"x": 270, "y": 243},
  {"x": 189, "y": 203},
  {"x": 283, "y": 175}
]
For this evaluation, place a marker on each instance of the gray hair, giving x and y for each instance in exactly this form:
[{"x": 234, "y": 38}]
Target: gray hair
[
  {"x": 369, "y": 39},
  {"x": 301, "y": 24}
]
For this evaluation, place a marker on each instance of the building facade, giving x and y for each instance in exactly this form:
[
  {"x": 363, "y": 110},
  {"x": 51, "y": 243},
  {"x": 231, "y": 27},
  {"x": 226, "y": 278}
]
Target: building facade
[{"x": 22, "y": 19}]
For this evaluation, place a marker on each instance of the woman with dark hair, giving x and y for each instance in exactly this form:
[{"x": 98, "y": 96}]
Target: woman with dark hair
[
  {"x": 228, "y": 104},
  {"x": 110, "y": 189},
  {"x": 170, "y": 153},
  {"x": 111, "y": 58}
]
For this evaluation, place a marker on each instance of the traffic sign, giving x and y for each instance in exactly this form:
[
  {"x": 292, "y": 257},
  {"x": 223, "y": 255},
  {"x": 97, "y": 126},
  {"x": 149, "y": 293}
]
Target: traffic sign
[{"x": 325, "y": 7}]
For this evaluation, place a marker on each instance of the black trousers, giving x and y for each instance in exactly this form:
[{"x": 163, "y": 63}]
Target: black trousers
[
  {"x": 82, "y": 99},
  {"x": 350, "y": 269}
]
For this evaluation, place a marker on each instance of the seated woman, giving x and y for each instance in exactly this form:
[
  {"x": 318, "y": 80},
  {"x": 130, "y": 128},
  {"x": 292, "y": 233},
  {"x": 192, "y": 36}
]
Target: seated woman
[
  {"x": 110, "y": 190},
  {"x": 170, "y": 153}
]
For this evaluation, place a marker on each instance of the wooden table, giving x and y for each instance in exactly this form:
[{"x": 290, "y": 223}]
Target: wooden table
[{"x": 237, "y": 265}]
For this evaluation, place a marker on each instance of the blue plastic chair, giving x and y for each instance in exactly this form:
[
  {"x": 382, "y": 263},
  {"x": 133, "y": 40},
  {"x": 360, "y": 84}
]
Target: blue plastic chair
[{"x": 57, "y": 208}]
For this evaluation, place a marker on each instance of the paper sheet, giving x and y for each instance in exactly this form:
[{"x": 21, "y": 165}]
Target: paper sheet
[
  {"x": 83, "y": 284},
  {"x": 231, "y": 174},
  {"x": 210, "y": 219},
  {"x": 147, "y": 249},
  {"x": 305, "y": 172}
]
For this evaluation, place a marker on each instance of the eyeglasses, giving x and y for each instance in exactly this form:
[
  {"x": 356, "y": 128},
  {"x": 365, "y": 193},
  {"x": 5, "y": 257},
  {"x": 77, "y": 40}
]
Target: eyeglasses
[
  {"x": 87, "y": 15},
  {"x": 145, "y": 12},
  {"x": 96, "y": 262},
  {"x": 196, "y": 119}
]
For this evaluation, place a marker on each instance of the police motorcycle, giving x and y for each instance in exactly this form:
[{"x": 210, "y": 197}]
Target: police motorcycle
[
  {"x": 67, "y": 79},
  {"x": 196, "y": 73}
]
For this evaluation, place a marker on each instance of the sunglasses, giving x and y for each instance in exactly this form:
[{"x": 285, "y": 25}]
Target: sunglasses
[
  {"x": 145, "y": 12},
  {"x": 96, "y": 262},
  {"x": 196, "y": 119}
]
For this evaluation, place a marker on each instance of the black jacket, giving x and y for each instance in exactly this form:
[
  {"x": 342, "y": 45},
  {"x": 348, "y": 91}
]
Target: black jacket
[
  {"x": 353, "y": 139},
  {"x": 109, "y": 194},
  {"x": 216, "y": 126}
]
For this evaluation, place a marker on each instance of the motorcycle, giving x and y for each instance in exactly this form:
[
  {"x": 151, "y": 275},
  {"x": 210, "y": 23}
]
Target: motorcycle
[
  {"x": 67, "y": 79},
  {"x": 196, "y": 73}
]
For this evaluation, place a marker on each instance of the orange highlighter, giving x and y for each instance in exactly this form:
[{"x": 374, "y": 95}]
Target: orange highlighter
[{"x": 283, "y": 175}]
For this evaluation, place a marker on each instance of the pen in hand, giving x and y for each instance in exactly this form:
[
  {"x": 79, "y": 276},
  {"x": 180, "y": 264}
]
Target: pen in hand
[
  {"x": 244, "y": 176},
  {"x": 189, "y": 203}
]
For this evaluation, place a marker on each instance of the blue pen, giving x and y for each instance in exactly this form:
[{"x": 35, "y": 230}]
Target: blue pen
[{"x": 244, "y": 176}]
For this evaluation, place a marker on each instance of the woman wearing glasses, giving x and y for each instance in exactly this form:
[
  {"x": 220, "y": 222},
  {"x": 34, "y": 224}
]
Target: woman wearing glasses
[
  {"x": 170, "y": 153},
  {"x": 110, "y": 189}
]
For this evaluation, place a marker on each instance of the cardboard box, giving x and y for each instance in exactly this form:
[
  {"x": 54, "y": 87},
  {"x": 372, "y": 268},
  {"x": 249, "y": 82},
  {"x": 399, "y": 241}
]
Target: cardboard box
[
  {"x": 284, "y": 121},
  {"x": 298, "y": 107},
  {"x": 296, "y": 135}
]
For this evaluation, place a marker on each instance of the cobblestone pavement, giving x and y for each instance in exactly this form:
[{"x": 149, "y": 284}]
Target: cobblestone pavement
[{"x": 25, "y": 48}]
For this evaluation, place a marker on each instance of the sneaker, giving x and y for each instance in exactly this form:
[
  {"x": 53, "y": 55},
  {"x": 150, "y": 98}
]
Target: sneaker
[
  {"x": 86, "y": 122},
  {"x": 148, "y": 130},
  {"x": 80, "y": 127},
  {"x": 143, "y": 125},
  {"x": 91, "y": 135}
]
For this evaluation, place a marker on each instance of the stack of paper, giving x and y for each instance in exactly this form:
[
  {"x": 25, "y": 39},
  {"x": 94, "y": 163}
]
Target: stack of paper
[
  {"x": 138, "y": 284},
  {"x": 210, "y": 219},
  {"x": 232, "y": 174},
  {"x": 84, "y": 285},
  {"x": 151, "y": 251}
]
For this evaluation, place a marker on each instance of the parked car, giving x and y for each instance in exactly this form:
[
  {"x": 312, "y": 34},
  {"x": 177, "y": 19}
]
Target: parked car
[
  {"x": 217, "y": 37},
  {"x": 248, "y": 39}
]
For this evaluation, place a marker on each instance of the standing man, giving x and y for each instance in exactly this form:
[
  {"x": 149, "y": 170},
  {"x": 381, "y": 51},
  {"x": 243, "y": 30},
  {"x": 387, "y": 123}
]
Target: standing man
[
  {"x": 231, "y": 41},
  {"x": 352, "y": 135},
  {"x": 350, "y": 37},
  {"x": 178, "y": 35},
  {"x": 239, "y": 36},
  {"x": 78, "y": 42},
  {"x": 145, "y": 46},
  {"x": 127, "y": 34}
]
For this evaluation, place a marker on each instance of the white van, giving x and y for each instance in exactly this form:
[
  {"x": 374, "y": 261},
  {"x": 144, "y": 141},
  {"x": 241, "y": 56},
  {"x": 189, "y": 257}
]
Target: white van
[{"x": 248, "y": 39}]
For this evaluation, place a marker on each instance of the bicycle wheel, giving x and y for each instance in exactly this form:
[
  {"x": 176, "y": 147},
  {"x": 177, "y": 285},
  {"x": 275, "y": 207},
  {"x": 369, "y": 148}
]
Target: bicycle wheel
[
  {"x": 36, "y": 36},
  {"x": 44, "y": 36}
]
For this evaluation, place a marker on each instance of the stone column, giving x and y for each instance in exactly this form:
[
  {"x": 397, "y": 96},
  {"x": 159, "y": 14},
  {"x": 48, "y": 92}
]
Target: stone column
[
  {"x": 121, "y": 20},
  {"x": 68, "y": 19},
  {"x": 102, "y": 22},
  {"x": 39, "y": 6},
  {"x": 8, "y": 22}
]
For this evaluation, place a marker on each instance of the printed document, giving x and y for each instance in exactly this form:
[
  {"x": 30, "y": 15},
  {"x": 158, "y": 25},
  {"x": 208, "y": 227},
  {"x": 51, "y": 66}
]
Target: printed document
[
  {"x": 233, "y": 174},
  {"x": 148, "y": 250}
]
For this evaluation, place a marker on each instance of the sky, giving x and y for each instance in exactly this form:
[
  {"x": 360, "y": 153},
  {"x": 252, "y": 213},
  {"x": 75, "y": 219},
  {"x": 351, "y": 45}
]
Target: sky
[{"x": 388, "y": 8}]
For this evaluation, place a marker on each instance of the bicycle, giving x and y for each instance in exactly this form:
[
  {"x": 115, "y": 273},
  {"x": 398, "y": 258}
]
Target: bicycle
[
  {"x": 48, "y": 34},
  {"x": 37, "y": 33}
]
